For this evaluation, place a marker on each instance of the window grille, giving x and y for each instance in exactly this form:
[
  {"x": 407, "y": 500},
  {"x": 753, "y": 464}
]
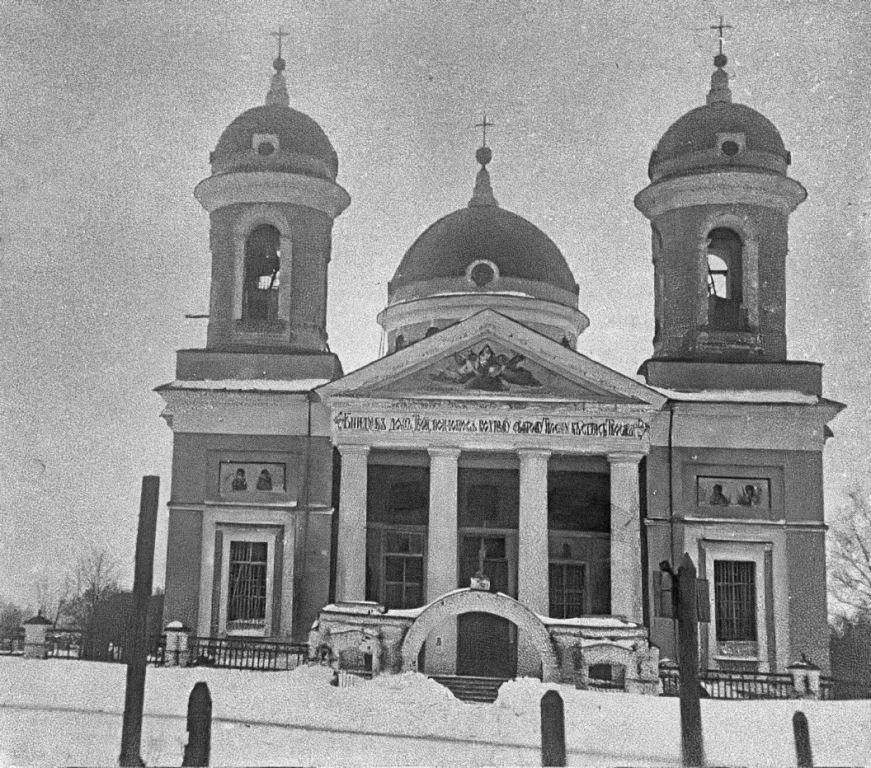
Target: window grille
[
  {"x": 735, "y": 599},
  {"x": 403, "y": 569},
  {"x": 246, "y": 603},
  {"x": 567, "y": 588}
]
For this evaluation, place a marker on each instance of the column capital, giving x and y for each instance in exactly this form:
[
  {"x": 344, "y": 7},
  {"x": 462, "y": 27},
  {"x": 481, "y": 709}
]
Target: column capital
[
  {"x": 448, "y": 453},
  {"x": 533, "y": 453},
  {"x": 625, "y": 458},
  {"x": 348, "y": 449}
]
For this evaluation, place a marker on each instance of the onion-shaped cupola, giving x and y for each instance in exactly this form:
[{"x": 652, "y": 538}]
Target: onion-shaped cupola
[
  {"x": 272, "y": 199},
  {"x": 481, "y": 257},
  {"x": 718, "y": 203}
]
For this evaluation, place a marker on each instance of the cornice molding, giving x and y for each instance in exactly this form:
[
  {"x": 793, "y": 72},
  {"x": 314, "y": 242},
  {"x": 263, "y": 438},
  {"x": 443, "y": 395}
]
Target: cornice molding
[{"x": 272, "y": 187}]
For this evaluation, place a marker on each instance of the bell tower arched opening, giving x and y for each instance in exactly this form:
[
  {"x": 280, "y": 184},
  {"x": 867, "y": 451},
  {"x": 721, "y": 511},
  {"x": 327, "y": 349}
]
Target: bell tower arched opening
[
  {"x": 725, "y": 280},
  {"x": 261, "y": 274}
]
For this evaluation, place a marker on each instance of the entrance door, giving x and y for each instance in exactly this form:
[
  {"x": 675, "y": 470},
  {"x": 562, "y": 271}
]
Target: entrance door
[{"x": 486, "y": 644}]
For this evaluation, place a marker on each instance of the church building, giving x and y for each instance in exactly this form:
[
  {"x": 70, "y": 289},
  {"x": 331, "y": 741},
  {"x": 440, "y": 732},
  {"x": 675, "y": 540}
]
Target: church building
[{"x": 482, "y": 472}]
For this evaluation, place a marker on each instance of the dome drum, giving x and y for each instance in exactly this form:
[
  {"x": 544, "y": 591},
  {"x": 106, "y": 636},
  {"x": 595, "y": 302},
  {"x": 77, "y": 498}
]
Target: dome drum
[{"x": 415, "y": 319}]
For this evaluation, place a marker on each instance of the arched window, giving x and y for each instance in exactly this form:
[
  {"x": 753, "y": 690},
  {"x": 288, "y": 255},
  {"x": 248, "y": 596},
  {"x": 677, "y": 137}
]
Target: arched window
[
  {"x": 262, "y": 268},
  {"x": 724, "y": 255}
]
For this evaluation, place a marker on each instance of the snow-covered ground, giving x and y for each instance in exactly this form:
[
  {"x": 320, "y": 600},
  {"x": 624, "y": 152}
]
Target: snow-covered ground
[{"x": 59, "y": 712}]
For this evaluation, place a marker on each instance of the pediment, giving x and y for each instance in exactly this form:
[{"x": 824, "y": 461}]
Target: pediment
[{"x": 489, "y": 356}]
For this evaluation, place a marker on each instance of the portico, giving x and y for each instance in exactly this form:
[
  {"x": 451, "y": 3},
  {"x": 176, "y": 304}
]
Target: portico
[{"x": 536, "y": 486}]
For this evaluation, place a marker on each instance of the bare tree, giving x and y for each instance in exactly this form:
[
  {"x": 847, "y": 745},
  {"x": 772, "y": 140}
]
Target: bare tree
[
  {"x": 850, "y": 558},
  {"x": 93, "y": 580}
]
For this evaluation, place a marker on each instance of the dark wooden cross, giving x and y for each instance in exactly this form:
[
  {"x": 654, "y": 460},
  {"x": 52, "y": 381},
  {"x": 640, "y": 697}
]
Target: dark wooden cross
[
  {"x": 720, "y": 27},
  {"x": 485, "y": 125},
  {"x": 279, "y": 35}
]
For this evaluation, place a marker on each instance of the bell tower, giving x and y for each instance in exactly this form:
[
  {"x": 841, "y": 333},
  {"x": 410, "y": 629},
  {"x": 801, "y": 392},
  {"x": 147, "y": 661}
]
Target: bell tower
[
  {"x": 719, "y": 202},
  {"x": 272, "y": 198}
]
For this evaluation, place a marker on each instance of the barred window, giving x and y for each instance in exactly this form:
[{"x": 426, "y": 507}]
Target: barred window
[
  {"x": 246, "y": 605},
  {"x": 567, "y": 587},
  {"x": 403, "y": 569},
  {"x": 735, "y": 599}
]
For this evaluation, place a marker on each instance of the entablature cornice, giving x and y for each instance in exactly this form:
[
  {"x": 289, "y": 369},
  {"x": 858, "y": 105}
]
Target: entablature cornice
[
  {"x": 244, "y": 413},
  {"x": 421, "y": 423},
  {"x": 745, "y": 426}
]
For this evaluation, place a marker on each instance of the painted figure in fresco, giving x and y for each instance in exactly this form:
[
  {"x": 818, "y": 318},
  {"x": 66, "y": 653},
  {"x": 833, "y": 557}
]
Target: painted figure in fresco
[
  {"x": 487, "y": 371},
  {"x": 240, "y": 483},
  {"x": 751, "y": 496},
  {"x": 718, "y": 499},
  {"x": 264, "y": 482}
]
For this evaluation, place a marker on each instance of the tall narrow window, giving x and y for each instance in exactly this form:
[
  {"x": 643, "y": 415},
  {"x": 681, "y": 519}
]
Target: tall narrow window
[
  {"x": 724, "y": 280},
  {"x": 735, "y": 599},
  {"x": 262, "y": 268},
  {"x": 403, "y": 569},
  {"x": 246, "y": 603},
  {"x": 567, "y": 586}
]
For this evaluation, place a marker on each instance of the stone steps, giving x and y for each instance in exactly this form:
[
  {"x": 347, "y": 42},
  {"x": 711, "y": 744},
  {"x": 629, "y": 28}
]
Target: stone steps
[{"x": 480, "y": 690}]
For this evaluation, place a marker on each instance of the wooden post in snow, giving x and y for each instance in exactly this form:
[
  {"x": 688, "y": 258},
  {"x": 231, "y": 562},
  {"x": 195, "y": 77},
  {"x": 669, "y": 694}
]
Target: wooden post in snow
[
  {"x": 803, "y": 755},
  {"x": 692, "y": 746},
  {"x": 137, "y": 658},
  {"x": 199, "y": 726},
  {"x": 553, "y": 730}
]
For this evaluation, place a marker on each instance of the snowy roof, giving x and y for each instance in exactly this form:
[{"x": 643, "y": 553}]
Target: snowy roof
[
  {"x": 248, "y": 385},
  {"x": 784, "y": 396}
]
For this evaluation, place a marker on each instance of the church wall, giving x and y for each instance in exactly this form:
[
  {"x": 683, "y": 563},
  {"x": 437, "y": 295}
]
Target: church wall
[
  {"x": 196, "y": 464},
  {"x": 790, "y": 578},
  {"x": 313, "y": 576},
  {"x": 182, "y": 585},
  {"x": 808, "y": 625}
]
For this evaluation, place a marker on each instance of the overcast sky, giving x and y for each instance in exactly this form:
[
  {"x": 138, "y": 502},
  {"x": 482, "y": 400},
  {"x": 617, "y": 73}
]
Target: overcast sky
[{"x": 109, "y": 111}]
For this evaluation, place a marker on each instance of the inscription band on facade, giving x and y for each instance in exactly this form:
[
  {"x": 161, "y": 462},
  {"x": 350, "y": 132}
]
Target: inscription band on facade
[{"x": 606, "y": 427}]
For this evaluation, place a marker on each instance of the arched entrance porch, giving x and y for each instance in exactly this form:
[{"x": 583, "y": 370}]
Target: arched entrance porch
[{"x": 465, "y": 601}]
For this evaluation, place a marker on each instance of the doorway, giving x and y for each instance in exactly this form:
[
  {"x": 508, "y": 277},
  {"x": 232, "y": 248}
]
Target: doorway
[{"x": 486, "y": 643}]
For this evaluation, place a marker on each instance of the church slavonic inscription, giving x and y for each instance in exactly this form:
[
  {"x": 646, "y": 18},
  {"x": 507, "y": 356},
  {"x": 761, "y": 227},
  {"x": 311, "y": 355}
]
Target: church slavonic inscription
[{"x": 426, "y": 424}]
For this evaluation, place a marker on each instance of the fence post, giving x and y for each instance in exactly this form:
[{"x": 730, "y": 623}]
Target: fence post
[
  {"x": 553, "y": 730},
  {"x": 143, "y": 571},
  {"x": 199, "y": 726},
  {"x": 801, "y": 732},
  {"x": 692, "y": 746}
]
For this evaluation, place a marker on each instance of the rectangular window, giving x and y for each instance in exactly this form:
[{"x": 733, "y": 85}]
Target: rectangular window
[
  {"x": 567, "y": 588},
  {"x": 735, "y": 599},
  {"x": 246, "y": 603},
  {"x": 402, "y": 563}
]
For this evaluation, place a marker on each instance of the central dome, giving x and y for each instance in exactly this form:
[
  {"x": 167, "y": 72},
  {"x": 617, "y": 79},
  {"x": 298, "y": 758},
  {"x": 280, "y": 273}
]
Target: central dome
[
  {"x": 486, "y": 233},
  {"x": 481, "y": 257}
]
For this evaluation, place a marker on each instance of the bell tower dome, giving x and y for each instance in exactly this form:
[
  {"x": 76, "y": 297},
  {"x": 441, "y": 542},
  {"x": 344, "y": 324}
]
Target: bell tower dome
[
  {"x": 718, "y": 202},
  {"x": 272, "y": 198}
]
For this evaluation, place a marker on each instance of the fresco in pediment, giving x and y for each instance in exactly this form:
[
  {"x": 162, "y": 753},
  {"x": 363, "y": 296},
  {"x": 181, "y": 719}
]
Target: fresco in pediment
[{"x": 483, "y": 369}]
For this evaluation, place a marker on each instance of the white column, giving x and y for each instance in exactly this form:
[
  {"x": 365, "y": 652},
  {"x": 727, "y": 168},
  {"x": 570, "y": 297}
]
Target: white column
[
  {"x": 441, "y": 558},
  {"x": 532, "y": 566},
  {"x": 625, "y": 536},
  {"x": 351, "y": 550},
  {"x": 441, "y": 561}
]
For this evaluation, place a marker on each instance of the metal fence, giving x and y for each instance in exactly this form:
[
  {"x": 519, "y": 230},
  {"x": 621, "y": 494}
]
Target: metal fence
[
  {"x": 246, "y": 653},
  {"x": 63, "y": 643},
  {"x": 720, "y": 684}
]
